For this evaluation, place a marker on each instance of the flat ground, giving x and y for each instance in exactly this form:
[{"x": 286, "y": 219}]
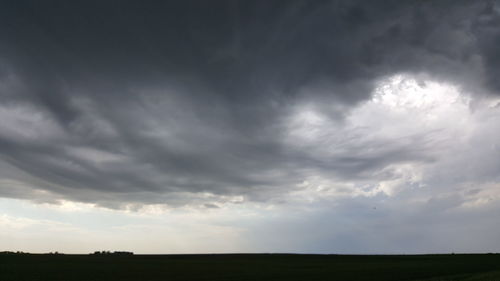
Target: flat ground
[{"x": 253, "y": 267}]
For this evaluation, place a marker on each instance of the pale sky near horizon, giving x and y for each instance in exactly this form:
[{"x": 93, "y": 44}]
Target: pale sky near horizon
[{"x": 362, "y": 127}]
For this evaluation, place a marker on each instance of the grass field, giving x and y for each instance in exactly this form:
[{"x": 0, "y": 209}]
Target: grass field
[{"x": 19, "y": 267}]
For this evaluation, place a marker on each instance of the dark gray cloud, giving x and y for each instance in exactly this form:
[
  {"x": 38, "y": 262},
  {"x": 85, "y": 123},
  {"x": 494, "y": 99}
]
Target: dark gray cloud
[{"x": 174, "y": 102}]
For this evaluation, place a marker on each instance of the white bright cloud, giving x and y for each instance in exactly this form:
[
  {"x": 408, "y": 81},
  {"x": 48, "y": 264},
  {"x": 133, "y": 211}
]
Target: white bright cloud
[{"x": 436, "y": 122}]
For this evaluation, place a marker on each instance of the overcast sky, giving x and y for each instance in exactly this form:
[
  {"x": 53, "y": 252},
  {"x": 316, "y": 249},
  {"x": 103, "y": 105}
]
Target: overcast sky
[{"x": 250, "y": 126}]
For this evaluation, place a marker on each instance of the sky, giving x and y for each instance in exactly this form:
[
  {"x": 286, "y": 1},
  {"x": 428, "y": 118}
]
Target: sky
[{"x": 360, "y": 127}]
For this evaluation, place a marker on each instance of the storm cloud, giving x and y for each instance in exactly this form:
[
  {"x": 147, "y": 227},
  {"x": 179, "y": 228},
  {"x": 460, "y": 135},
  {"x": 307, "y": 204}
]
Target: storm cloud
[{"x": 204, "y": 103}]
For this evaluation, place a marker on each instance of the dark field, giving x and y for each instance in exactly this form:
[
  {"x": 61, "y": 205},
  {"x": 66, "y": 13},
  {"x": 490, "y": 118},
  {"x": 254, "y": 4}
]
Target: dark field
[{"x": 253, "y": 267}]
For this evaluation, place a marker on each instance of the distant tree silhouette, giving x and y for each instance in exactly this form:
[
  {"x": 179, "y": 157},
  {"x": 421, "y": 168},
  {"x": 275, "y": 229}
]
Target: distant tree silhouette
[{"x": 118, "y": 253}]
